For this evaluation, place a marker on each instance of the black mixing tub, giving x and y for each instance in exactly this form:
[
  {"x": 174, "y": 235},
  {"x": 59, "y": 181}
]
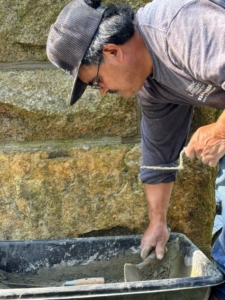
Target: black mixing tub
[{"x": 39, "y": 270}]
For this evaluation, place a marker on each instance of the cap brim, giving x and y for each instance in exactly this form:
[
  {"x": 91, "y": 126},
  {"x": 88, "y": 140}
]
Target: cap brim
[{"x": 78, "y": 89}]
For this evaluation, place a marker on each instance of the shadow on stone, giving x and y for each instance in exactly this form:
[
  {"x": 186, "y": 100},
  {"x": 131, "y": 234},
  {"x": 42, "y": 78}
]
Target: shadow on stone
[{"x": 115, "y": 231}]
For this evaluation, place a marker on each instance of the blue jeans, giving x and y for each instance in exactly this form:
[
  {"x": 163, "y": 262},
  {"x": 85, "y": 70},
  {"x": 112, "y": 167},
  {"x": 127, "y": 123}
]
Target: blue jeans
[
  {"x": 220, "y": 187},
  {"x": 218, "y": 251}
]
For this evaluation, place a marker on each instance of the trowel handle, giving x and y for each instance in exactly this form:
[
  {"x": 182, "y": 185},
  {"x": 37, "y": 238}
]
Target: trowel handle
[
  {"x": 151, "y": 259},
  {"x": 82, "y": 281}
]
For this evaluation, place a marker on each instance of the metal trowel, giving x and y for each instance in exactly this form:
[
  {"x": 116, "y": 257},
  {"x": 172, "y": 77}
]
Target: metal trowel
[{"x": 132, "y": 271}]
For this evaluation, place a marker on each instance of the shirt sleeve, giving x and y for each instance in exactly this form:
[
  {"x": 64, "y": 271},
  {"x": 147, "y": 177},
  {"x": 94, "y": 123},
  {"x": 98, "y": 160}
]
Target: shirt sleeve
[
  {"x": 196, "y": 41},
  {"x": 164, "y": 130}
]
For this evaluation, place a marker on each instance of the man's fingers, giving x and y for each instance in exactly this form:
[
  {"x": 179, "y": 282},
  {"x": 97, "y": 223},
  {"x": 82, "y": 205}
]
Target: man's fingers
[
  {"x": 145, "y": 252},
  {"x": 190, "y": 152},
  {"x": 213, "y": 162},
  {"x": 159, "y": 254},
  {"x": 160, "y": 248},
  {"x": 209, "y": 160},
  {"x": 155, "y": 242},
  {"x": 206, "y": 145},
  {"x": 213, "y": 153},
  {"x": 160, "y": 251}
]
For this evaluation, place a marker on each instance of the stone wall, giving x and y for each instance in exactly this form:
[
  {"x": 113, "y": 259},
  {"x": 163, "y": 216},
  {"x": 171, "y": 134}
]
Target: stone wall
[{"x": 74, "y": 171}]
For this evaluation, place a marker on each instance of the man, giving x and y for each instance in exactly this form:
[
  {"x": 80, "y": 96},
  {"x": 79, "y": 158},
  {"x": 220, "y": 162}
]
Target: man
[{"x": 172, "y": 55}]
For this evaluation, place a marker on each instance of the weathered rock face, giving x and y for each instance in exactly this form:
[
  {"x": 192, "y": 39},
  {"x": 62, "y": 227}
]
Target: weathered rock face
[
  {"x": 69, "y": 191},
  {"x": 192, "y": 207},
  {"x": 74, "y": 171},
  {"x": 25, "y": 26},
  {"x": 35, "y": 106}
]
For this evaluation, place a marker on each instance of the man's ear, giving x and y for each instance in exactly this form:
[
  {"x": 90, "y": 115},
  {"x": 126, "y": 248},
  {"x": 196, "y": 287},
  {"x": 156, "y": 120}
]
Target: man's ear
[{"x": 112, "y": 51}]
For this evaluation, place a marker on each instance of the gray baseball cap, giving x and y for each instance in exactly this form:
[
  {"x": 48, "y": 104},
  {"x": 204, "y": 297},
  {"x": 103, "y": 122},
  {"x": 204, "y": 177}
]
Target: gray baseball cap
[{"x": 69, "y": 39}]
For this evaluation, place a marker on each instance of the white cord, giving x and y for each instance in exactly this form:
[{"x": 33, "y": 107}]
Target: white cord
[{"x": 179, "y": 167}]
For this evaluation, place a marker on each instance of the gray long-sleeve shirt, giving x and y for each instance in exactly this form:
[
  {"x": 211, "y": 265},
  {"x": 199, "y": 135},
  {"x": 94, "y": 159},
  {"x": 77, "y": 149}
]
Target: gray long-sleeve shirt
[{"x": 186, "y": 40}]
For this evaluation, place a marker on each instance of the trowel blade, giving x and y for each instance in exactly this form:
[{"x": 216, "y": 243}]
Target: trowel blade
[{"x": 131, "y": 273}]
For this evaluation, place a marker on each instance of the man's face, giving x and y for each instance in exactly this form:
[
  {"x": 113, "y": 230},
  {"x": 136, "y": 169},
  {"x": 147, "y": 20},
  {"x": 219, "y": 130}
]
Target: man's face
[
  {"x": 117, "y": 73},
  {"x": 110, "y": 80}
]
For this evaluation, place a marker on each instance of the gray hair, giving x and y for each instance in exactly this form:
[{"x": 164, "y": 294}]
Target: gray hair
[{"x": 117, "y": 27}]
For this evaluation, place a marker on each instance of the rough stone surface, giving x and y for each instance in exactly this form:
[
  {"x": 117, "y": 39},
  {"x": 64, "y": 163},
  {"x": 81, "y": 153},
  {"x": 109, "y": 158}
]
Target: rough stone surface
[
  {"x": 25, "y": 26},
  {"x": 192, "y": 206},
  {"x": 68, "y": 192},
  {"x": 35, "y": 106}
]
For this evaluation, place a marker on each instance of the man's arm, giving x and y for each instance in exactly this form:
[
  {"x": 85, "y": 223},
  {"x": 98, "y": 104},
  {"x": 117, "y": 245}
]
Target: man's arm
[
  {"x": 157, "y": 234},
  {"x": 206, "y": 144},
  {"x": 164, "y": 130}
]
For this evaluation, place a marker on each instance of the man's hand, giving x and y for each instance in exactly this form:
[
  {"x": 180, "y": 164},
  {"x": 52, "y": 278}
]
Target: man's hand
[
  {"x": 155, "y": 238},
  {"x": 208, "y": 143},
  {"x": 157, "y": 234}
]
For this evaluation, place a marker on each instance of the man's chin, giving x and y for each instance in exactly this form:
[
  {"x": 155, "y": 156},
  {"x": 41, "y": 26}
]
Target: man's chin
[{"x": 127, "y": 95}]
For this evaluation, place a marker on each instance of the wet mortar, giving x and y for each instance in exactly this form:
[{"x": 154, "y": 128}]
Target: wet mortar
[{"x": 112, "y": 269}]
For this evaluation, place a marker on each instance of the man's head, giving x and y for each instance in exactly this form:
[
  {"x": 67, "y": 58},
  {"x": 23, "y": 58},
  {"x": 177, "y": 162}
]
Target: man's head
[{"x": 84, "y": 35}]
